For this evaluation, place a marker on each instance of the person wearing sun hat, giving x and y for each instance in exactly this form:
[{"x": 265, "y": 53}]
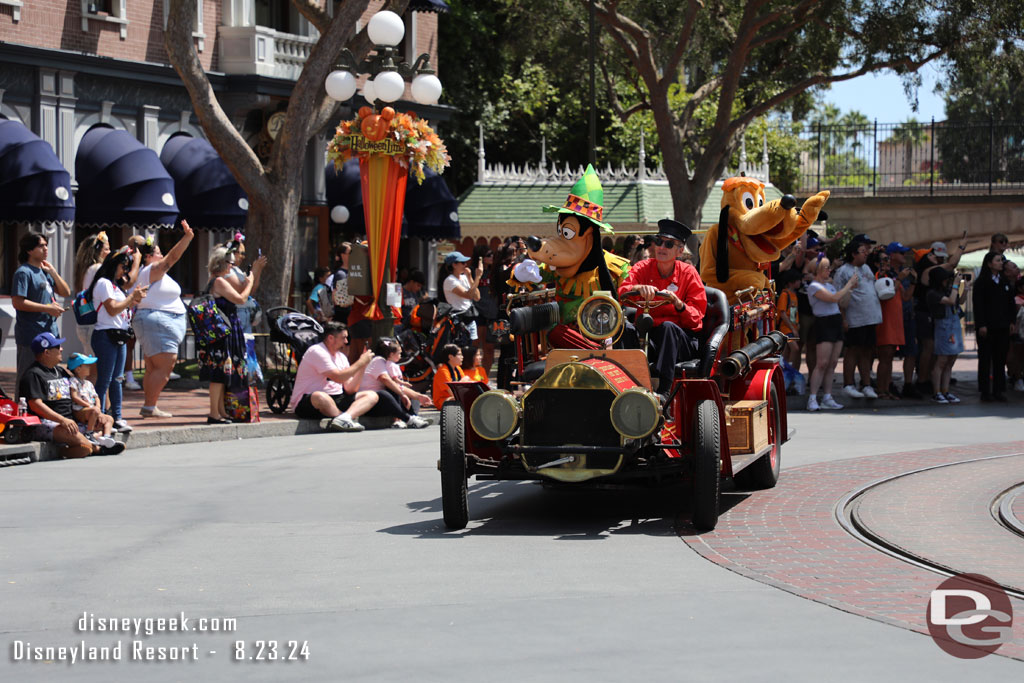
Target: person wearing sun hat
[
  {"x": 574, "y": 261},
  {"x": 673, "y": 338}
]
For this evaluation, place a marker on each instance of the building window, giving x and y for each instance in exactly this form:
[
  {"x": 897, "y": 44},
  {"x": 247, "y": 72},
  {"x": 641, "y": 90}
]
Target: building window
[
  {"x": 275, "y": 14},
  {"x": 16, "y": 6},
  {"x": 198, "y": 34},
  {"x": 112, "y": 11}
]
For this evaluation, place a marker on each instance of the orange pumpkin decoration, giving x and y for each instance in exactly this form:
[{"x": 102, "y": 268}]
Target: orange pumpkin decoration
[
  {"x": 387, "y": 113},
  {"x": 364, "y": 112},
  {"x": 374, "y": 127}
]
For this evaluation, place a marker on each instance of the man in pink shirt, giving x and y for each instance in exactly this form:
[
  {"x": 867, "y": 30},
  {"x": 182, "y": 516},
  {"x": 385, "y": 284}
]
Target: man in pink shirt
[
  {"x": 326, "y": 386},
  {"x": 673, "y": 337}
]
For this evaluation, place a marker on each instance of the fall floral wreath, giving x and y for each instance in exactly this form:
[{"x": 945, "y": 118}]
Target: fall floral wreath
[{"x": 408, "y": 138}]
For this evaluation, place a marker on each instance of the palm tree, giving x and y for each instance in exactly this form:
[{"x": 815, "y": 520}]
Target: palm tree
[{"x": 911, "y": 134}]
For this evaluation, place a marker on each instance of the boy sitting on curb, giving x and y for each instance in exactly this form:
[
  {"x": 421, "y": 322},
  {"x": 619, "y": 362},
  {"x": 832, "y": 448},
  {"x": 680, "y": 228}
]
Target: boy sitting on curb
[{"x": 85, "y": 402}]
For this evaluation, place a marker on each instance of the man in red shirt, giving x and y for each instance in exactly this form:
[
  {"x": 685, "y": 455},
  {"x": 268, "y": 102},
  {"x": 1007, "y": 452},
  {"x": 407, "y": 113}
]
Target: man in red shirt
[{"x": 672, "y": 340}]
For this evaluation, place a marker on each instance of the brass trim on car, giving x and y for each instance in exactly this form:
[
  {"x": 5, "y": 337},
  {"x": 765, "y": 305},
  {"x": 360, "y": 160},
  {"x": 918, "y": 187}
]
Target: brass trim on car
[{"x": 655, "y": 406}]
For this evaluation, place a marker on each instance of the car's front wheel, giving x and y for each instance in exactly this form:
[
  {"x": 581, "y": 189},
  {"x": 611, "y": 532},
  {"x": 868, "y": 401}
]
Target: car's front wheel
[{"x": 454, "y": 485}]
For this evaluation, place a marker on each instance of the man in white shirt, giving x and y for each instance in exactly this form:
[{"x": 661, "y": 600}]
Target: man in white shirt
[{"x": 326, "y": 386}]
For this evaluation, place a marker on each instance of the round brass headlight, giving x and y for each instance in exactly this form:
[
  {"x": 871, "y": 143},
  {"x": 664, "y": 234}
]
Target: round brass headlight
[
  {"x": 494, "y": 415},
  {"x": 635, "y": 413},
  {"x": 599, "y": 317}
]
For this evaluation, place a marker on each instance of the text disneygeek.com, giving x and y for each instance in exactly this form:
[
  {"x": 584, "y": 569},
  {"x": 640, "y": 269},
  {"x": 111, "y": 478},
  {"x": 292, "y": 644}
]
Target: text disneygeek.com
[{"x": 140, "y": 649}]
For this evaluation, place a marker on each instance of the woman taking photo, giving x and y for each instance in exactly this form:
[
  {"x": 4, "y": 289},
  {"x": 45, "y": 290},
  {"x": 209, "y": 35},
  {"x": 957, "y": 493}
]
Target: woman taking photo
[
  {"x": 828, "y": 331},
  {"x": 88, "y": 259},
  {"x": 994, "y": 317},
  {"x": 113, "y": 327},
  {"x": 460, "y": 288},
  {"x": 222, "y": 363},
  {"x": 160, "y": 319},
  {"x": 943, "y": 302}
]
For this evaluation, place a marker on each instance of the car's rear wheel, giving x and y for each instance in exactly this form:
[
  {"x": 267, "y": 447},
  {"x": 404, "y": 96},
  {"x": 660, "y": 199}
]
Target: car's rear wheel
[
  {"x": 706, "y": 465},
  {"x": 764, "y": 472},
  {"x": 454, "y": 493}
]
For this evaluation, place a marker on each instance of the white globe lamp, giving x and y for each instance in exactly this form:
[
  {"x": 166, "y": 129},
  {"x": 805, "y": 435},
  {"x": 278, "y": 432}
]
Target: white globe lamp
[
  {"x": 426, "y": 89},
  {"x": 389, "y": 86},
  {"x": 369, "y": 93},
  {"x": 340, "y": 214},
  {"x": 386, "y": 28},
  {"x": 341, "y": 85}
]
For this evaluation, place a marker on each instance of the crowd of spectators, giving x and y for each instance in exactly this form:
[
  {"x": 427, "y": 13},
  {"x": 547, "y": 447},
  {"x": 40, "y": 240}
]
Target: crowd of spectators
[
  {"x": 872, "y": 305},
  {"x": 880, "y": 301}
]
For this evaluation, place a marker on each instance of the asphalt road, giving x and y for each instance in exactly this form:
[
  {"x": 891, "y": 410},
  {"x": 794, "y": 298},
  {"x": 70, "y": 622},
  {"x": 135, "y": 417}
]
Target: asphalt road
[{"x": 336, "y": 542}]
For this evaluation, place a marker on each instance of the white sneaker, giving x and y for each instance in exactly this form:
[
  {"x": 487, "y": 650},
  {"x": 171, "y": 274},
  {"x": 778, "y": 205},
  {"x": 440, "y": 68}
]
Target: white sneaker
[
  {"x": 173, "y": 376},
  {"x": 852, "y": 391},
  {"x": 1018, "y": 385},
  {"x": 341, "y": 424},
  {"x": 869, "y": 392},
  {"x": 417, "y": 422},
  {"x": 104, "y": 441},
  {"x": 130, "y": 383},
  {"x": 398, "y": 424},
  {"x": 812, "y": 404},
  {"x": 951, "y": 398},
  {"x": 122, "y": 426},
  {"x": 940, "y": 398},
  {"x": 829, "y": 403}
]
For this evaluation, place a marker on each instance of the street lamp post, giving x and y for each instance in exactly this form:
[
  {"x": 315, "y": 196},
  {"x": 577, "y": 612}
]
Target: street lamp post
[
  {"x": 386, "y": 155},
  {"x": 385, "y": 77}
]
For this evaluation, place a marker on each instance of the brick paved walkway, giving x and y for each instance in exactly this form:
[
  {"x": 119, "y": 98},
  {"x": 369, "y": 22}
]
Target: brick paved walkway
[
  {"x": 959, "y": 532},
  {"x": 787, "y": 537}
]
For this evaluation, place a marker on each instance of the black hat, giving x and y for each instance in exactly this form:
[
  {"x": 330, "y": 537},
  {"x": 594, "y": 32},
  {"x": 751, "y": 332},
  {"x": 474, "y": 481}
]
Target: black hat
[
  {"x": 674, "y": 229},
  {"x": 861, "y": 238}
]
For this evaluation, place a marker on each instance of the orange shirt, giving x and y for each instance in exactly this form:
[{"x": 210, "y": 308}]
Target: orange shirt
[
  {"x": 441, "y": 392},
  {"x": 787, "y": 304},
  {"x": 477, "y": 373}
]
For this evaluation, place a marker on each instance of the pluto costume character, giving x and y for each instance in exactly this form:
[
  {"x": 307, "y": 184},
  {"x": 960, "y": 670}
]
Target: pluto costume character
[
  {"x": 574, "y": 261},
  {"x": 750, "y": 234}
]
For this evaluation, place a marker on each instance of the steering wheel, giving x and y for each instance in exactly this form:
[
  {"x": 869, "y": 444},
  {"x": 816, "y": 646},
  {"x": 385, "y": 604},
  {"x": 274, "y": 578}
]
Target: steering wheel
[{"x": 635, "y": 298}]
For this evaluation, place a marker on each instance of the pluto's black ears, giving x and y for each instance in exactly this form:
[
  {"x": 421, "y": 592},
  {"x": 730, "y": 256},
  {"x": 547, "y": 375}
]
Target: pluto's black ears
[{"x": 722, "y": 262}]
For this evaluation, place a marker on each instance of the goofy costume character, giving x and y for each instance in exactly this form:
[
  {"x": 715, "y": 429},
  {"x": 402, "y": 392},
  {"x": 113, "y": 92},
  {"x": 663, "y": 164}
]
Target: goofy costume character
[{"x": 575, "y": 264}]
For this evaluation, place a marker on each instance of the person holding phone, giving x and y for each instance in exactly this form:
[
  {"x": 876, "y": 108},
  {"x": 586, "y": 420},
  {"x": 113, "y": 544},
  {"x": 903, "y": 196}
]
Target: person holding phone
[
  {"x": 113, "y": 326},
  {"x": 462, "y": 287},
  {"x": 936, "y": 259},
  {"x": 160, "y": 318}
]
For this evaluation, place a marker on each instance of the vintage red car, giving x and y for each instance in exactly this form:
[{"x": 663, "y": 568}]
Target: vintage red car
[{"x": 580, "y": 417}]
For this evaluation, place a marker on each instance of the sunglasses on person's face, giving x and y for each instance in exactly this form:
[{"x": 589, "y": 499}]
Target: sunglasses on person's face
[{"x": 666, "y": 242}]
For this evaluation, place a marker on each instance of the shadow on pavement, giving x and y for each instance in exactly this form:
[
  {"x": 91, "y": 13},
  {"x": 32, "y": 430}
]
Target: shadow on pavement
[{"x": 529, "y": 509}]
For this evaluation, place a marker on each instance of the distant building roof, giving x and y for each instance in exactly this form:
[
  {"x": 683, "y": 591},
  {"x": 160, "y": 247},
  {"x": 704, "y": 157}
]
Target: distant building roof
[{"x": 507, "y": 200}]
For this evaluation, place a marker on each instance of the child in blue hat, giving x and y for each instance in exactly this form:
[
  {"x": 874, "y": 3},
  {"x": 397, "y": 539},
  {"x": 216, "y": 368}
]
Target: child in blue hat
[{"x": 85, "y": 402}]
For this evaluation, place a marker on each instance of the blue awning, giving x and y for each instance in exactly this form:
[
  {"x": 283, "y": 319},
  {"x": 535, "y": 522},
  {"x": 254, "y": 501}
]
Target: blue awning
[
  {"x": 431, "y": 211},
  {"x": 208, "y": 195},
  {"x": 122, "y": 182},
  {"x": 34, "y": 185},
  {"x": 428, "y": 6}
]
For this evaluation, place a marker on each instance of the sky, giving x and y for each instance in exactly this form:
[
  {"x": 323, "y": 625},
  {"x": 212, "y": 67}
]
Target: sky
[{"x": 881, "y": 97}]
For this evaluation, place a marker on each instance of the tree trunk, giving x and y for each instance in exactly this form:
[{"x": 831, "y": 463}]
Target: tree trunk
[{"x": 272, "y": 228}]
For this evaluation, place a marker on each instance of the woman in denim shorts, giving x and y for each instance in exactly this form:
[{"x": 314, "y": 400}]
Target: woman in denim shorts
[{"x": 160, "y": 319}]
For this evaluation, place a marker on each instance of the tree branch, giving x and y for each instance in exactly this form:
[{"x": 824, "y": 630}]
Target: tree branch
[
  {"x": 314, "y": 13},
  {"x": 228, "y": 142},
  {"x": 672, "y": 66}
]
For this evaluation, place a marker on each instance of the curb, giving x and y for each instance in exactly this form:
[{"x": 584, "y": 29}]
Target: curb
[{"x": 23, "y": 454}]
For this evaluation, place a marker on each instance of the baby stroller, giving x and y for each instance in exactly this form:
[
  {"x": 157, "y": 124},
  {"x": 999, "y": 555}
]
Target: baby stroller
[
  {"x": 292, "y": 333},
  {"x": 13, "y": 425},
  {"x": 422, "y": 351}
]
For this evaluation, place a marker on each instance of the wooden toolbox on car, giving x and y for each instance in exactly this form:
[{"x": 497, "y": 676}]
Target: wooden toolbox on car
[{"x": 747, "y": 425}]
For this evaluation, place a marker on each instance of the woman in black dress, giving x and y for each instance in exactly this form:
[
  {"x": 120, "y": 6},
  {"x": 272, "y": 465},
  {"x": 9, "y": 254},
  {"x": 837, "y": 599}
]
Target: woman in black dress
[{"x": 222, "y": 363}]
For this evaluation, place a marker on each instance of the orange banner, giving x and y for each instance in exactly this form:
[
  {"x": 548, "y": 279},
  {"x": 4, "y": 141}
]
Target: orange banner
[{"x": 383, "y": 187}]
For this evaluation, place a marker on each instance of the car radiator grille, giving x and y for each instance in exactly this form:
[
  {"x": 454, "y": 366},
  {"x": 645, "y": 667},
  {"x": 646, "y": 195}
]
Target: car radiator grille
[{"x": 556, "y": 417}]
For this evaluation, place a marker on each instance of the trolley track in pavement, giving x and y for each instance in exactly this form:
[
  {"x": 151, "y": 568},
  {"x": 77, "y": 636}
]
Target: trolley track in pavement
[{"x": 848, "y": 515}]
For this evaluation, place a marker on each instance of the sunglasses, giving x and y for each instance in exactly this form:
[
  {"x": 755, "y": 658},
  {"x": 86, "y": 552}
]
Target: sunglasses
[{"x": 666, "y": 242}]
